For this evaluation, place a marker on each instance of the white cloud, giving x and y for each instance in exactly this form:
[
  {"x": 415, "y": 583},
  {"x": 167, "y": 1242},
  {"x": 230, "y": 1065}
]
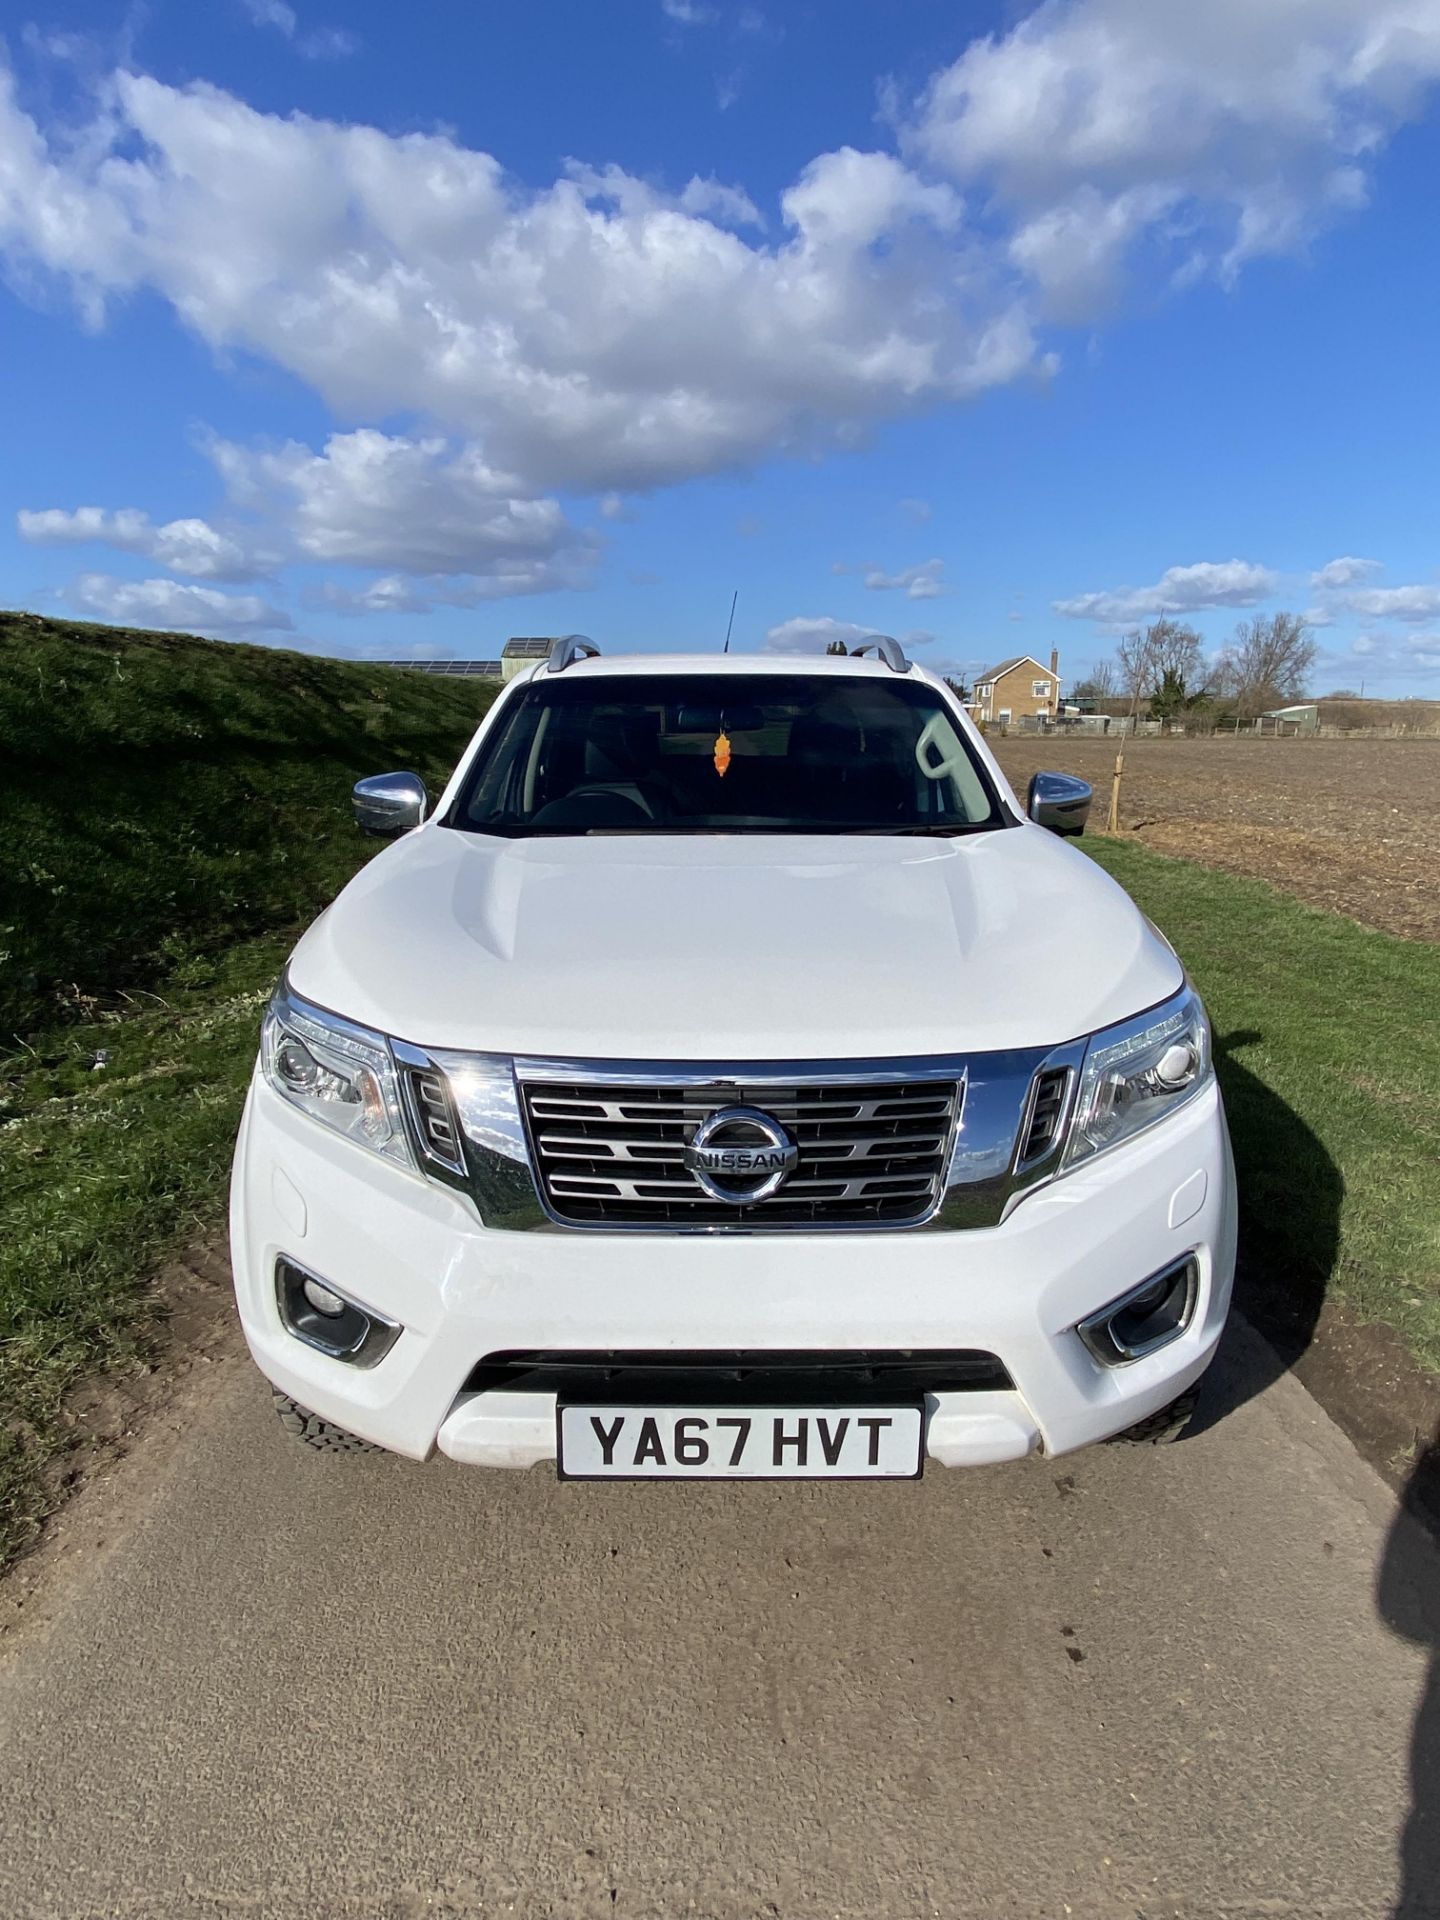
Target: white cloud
[
  {"x": 595, "y": 334},
  {"x": 1401, "y": 656},
  {"x": 319, "y": 43},
  {"x": 422, "y": 506},
  {"x": 1224, "y": 583},
  {"x": 1203, "y": 134},
  {"x": 413, "y": 507},
  {"x": 712, "y": 199},
  {"x": 604, "y": 333},
  {"x": 169, "y": 603},
  {"x": 404, "y": 593},
  {"x": 184, "y": 546},
  {"x": 1344, "y": 572},
  {"x": 1395, "y": 603},
  {"x": 917, "y": 510},
  {"x": 328, "y": 43},
  {"x": 814, "y": 633},
  {"x": 687, "y": 13},
  {"x": 272, "y": 13},
  {"x": 922, "y": 582},
  {"x": 847, "y": 200}
]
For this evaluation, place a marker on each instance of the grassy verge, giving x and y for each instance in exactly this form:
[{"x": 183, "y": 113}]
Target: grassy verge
[
  {"x": 164, "y": 795},
  {"x": 106, "y": 1170},
  {"x": 1329, "y": 1055},
  {"x": 173, "y": 810}
]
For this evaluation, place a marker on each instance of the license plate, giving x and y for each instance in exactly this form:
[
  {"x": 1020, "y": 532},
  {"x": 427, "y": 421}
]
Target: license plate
[{"x": 739, "y": 1443}]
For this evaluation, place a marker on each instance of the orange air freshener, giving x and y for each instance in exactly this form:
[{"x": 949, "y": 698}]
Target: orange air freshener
[{"x": 722, "y": 753}]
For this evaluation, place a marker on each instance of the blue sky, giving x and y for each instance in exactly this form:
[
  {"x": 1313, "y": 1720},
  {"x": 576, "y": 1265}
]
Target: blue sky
[{"x": 385, "y": 330}]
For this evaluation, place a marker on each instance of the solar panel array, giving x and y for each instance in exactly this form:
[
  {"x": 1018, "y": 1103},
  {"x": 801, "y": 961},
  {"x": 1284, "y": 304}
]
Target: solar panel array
[{"x": 476, "y": 669}]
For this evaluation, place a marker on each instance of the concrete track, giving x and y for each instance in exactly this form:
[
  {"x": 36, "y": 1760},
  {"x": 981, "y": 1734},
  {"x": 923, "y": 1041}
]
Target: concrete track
[{"x": 1196, "y": 1681}]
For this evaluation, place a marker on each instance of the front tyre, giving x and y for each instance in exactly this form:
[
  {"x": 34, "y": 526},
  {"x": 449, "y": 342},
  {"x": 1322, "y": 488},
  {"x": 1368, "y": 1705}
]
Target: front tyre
[
  {"x": 310, "y": 1429},
  {"x": 1161, "y": 1428}
]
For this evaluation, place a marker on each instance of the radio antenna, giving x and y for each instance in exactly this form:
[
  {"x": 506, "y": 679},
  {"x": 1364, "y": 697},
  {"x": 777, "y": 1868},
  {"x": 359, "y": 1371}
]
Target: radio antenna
[{"x": 731, "y": 622}]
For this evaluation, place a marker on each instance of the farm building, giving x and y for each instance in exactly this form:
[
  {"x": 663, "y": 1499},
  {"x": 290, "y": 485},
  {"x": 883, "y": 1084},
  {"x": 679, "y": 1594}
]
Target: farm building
[
  {"x": 1304, "y": 718},
  {"x": 520, "y": 652}
]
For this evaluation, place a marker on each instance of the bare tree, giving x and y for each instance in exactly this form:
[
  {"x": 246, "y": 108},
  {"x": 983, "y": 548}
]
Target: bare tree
[
  {"x": 1099, "y": 683},
  {"x": 1177, "y": 653},
  {"x": 1163, "y": 663},
  {"x": 1133, "y": 665},
  {"x": 1267, "y": 663},
  {"x": 1166, "y": 646}
]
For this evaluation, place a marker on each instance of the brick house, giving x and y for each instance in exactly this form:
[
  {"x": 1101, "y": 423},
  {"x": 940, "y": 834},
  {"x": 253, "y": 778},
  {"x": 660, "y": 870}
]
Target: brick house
[{"x": 1017, "y": 688}]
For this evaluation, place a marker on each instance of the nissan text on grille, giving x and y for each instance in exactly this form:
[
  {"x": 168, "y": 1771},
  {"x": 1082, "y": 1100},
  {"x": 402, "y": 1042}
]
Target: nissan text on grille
[{"x": 728, "y": 1077}]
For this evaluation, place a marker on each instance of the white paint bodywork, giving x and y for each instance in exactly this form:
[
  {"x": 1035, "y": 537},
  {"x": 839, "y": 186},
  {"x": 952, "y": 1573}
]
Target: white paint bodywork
[
  {"x": 745, "y": 949},
  {"x": 739, "y": 946}
]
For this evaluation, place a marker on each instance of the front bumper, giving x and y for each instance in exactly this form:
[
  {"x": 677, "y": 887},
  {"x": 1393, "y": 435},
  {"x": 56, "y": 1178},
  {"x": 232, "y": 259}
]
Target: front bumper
[{"x": 415, "y": 1252}]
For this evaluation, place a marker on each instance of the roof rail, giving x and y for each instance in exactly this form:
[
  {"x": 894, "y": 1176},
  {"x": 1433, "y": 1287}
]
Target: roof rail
[
  {"x": 564, "y": 653},
  {"x": 890, "y": 651}
]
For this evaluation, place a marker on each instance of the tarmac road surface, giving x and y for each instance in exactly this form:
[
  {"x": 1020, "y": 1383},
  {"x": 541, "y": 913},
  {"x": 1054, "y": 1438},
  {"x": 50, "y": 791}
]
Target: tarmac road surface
[{"x": 1195, "y": 1681}]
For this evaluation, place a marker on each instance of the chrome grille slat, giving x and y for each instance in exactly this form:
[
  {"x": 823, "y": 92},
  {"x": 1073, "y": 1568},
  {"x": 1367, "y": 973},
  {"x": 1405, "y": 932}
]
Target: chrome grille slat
[
  {"x": 892, "y": 1146},
  {"x": 870, "y": 1152}
]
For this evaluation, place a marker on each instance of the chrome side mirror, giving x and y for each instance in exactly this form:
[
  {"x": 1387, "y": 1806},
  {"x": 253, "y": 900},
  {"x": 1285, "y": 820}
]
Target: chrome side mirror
[
  {"x": 1059, "y": 801},
  {"x": 389, "y": 803}
]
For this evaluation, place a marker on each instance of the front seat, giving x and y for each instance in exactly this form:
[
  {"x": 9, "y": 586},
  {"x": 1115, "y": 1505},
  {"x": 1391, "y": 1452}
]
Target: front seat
[
  {"x": 615, "y": 785},
  {"x": 828, "y": 751}
]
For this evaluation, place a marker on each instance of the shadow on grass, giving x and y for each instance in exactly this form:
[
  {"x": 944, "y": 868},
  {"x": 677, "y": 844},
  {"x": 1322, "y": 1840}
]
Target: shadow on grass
[
  {"x": 1408, "y": 1598},
  {"x": 1290, "y": 1193}
]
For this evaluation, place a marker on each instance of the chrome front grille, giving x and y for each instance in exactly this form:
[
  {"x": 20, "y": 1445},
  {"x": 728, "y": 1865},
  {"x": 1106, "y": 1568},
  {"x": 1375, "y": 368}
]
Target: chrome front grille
[{"x": 870, "y": 1152}]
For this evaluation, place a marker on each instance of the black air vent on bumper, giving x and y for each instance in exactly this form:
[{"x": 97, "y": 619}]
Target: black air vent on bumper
[{"x": 753, "y": 1376}]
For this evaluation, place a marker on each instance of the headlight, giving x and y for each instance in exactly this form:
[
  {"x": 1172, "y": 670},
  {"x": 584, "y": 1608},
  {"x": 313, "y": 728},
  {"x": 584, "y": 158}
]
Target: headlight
[
  {"x": 1138, "y": 1073},
  {"x": 340, "y": 1074}
]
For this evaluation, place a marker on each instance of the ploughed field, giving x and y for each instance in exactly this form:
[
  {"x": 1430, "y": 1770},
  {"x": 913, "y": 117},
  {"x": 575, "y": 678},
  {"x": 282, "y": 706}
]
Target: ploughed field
[{"x": 1344, "y": 824}]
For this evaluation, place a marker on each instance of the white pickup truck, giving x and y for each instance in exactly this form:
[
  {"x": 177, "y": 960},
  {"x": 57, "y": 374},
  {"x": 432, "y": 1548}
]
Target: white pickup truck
[{"x": 729, "y": 1078}]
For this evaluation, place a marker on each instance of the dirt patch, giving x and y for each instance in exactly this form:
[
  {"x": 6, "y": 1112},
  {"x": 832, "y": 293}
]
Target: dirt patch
[
  {"x": 1386, "y": 1402},
  {"x": 109, "y": 1416},
  {"x": 1341, "y": 824}
]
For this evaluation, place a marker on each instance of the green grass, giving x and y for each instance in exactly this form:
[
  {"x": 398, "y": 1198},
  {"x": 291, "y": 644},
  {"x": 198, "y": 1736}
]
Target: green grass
[
  {"x": 174, "y": 810},
  {"x": 163, "y": 795},
  {"x": 1328, "y": 1050},
  {"x": 103, "y": 1171}
]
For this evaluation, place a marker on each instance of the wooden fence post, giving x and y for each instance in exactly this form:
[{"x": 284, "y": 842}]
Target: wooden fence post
[{"x": 1113, "y": 825}]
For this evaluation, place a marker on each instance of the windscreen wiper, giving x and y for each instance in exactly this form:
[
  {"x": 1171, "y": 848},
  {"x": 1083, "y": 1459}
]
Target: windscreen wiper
[{"x": 947, "y": 832}]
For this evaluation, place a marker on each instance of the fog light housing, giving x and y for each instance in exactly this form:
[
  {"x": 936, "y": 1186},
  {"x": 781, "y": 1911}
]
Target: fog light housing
[
  {"x": 324, "y": 1299},
  {"x": 318, "y": 1314},
  {"x": 1146, "y": 1318}
]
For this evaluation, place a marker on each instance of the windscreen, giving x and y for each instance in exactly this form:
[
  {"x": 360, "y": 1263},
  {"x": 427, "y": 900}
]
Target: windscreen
[{"x": 731, "y": 753}]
